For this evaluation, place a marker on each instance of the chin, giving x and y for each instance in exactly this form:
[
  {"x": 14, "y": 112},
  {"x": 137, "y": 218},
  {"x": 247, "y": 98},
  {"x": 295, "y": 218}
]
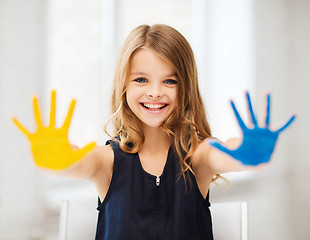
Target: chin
[{"x": 152, "y": 124}]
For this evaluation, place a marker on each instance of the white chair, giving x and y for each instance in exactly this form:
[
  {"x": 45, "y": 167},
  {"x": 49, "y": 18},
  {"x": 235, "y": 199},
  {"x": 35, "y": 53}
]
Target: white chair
[
  {"x": 78, "y": 220},
  {"x": 230, "y": 220}
]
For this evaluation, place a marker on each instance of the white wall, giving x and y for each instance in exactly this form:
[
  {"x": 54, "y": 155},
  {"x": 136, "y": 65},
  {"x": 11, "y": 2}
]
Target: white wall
[
  {"x": 278, "y": 197},
  {"x": 283, "y": 57},
  {"x": 22, "y": 73},
  {"x": 299, "y": 86}
]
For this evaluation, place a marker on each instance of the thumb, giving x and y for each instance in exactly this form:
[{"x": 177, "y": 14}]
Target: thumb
[
  {"x": 218, "y": 145},
  {"x": 22, "y": 128}
]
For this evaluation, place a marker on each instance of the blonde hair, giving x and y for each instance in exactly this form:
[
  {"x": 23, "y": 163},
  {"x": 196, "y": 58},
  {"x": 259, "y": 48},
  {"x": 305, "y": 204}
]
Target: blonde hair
[{"x": 187, "y": 125}]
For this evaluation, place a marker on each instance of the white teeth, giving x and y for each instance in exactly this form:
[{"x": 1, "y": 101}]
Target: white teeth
[{"x": 153, "y": 106}]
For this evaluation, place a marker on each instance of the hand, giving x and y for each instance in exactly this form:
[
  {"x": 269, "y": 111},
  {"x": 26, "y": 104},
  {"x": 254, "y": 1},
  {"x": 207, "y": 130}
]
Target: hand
[
  {"x": 49, "y": 145},
  {"x": 258, "y": 142}
]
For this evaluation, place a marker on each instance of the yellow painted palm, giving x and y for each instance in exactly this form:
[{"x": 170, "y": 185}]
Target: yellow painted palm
[{"x": 49, "y": 145}]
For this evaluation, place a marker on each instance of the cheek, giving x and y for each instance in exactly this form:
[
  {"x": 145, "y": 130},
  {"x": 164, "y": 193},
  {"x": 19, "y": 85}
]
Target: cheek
[
  {"x": 131, "y": 96},
  {"x": 174, "y": 96}
]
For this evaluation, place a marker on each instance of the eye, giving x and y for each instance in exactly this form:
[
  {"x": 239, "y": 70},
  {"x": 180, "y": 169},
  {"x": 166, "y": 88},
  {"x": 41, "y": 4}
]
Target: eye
[
  {"x": 171, "y": 81},
  {"x": 140, "y": 80}
]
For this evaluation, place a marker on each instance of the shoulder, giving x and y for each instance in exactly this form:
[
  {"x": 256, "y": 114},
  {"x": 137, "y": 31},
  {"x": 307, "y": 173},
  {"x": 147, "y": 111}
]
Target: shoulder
[
  {"x": 201, "y": 154},
  {"x": 105, "y": 159},
  {"x": 105, "y": 154},
  {"x": 202, "y": 167},
  {"x": 107, "y": 148},
  {"x": 201, "y": 160}
]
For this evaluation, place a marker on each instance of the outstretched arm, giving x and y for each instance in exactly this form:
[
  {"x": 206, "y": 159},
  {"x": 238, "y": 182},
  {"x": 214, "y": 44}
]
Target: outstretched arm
[
  {"x": 251, "y": 151},
  {"x": 50, "y": 146}
]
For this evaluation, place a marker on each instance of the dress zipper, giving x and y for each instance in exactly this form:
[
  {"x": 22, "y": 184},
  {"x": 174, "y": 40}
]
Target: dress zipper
[
  {"x": 157, "y": 181},
  {"x": 157, "y": 207}
]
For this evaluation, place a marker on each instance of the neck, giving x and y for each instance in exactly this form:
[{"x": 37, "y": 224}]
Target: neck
[{"x": 155, "y": 139}]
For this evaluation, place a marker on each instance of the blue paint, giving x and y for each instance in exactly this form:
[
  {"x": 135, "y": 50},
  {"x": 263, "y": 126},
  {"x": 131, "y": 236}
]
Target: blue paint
[{"x": 258, "y": 143}]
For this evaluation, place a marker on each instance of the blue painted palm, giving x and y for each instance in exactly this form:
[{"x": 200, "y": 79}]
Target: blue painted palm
[{"x": 258, "y": 142}]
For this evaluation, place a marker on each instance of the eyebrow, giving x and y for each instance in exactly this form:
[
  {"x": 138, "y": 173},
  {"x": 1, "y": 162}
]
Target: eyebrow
[{"x": 145, "y": 74}]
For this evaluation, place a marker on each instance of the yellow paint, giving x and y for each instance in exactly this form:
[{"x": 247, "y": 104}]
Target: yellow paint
[{"x": 49, "y": 145}]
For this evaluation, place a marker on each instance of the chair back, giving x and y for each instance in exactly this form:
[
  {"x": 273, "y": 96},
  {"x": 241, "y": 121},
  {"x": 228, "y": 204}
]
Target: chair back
[
  {"x": 78, "y": 220},
  {"x": 230, "y": 220}
]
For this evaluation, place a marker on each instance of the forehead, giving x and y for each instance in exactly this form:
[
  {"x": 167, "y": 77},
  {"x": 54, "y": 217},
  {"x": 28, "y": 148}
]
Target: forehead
[{"x": 146, "y": 60}]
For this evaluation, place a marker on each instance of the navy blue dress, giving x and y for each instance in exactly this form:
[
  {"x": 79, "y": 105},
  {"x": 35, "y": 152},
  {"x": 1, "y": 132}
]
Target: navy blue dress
[{"x": 139, "y": 205}]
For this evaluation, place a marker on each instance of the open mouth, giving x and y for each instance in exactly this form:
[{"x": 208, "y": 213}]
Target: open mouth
[{"x": 154, "y": 106}]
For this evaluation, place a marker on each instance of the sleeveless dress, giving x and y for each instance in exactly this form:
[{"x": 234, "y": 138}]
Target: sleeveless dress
[{"x": 139, "y": 205}]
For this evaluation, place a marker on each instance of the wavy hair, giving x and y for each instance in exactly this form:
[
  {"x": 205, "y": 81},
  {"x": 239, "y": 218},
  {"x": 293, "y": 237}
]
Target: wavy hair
[{"x": 187, "y": 125}]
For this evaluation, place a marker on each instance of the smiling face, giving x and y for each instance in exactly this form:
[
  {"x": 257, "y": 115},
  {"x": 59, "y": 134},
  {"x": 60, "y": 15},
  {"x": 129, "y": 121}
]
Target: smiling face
[{"x": 152, "y": 87}]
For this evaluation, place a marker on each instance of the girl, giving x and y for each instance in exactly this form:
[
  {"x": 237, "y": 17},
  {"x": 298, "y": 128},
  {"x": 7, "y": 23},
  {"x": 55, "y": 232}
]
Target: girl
[{"x": 153, "y": 176}]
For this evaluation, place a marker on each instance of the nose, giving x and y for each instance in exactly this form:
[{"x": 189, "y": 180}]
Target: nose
[{"x": 154, "y": 91}]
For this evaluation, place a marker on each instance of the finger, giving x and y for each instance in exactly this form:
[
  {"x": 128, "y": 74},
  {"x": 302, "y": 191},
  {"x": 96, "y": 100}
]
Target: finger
[
  {"x": 53, "y": 108},
  {"x": 287, "y": 124},
  {"x": 37, "y": 114},
  {"x": 239, "y": 119},
  {"x": 254, "y": 121},
  {"x": 69, "y": 115},
  {"x": 87, "y": 148},
  {"x": 219, "y": 146},
  {"x": 21, "y": 127},
  {"x": 267, "y": 120}
]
